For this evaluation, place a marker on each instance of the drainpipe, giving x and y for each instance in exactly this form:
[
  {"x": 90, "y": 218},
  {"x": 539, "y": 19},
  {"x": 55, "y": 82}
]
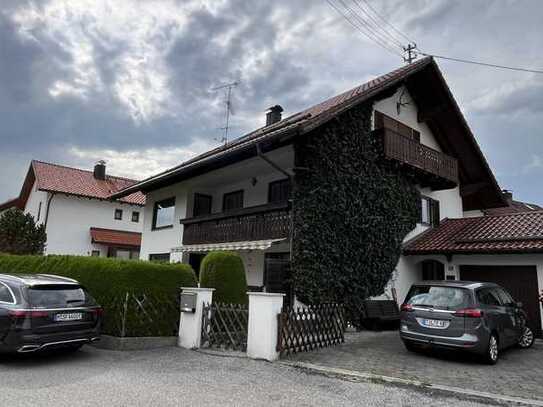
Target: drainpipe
[
  {"x": 291, "y": 180},
  {"x": 47, "y": 209}
]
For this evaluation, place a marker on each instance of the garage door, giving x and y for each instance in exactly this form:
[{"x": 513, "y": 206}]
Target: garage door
[{"x": 520, "y": 281}]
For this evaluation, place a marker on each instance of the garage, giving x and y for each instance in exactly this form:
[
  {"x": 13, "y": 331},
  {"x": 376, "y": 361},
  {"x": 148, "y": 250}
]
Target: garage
[{"x": 520, "y": 281}]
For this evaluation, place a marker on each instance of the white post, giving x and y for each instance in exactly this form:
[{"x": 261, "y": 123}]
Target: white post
[
  {"x": 190, "y": 323},
  {"x": 262, "y": 334}
]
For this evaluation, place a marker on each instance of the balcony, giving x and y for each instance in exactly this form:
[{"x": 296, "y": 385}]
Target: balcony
[
  {"x": 263, "y": 222},
  {"x": 431, "y": 167}
]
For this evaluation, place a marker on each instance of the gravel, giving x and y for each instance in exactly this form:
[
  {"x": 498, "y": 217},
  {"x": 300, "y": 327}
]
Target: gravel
[{"x": 178, "y": 377}]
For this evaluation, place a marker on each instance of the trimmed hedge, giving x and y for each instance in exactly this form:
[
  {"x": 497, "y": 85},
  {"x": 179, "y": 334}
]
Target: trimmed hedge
[
  {"x": 109, "y": 281},
  {"x": 224, "y": 272}
]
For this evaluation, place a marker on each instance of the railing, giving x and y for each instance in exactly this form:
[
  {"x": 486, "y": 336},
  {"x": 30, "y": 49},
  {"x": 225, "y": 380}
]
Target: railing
[
  {"x": 270, "y": 221},
  {"x": 418, "y": 155}
]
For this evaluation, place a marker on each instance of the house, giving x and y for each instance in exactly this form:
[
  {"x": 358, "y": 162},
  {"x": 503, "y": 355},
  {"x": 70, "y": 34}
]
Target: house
[
  {"x": 78, "y": 215},
  {"x": 513, "y": 206},
  {"x": 266, "y": 194}
]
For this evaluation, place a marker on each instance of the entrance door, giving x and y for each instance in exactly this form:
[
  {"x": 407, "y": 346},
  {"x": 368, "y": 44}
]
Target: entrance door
[
  {"x": 519, "y": 281},
  {"x": 277, "y": 274},
  {"x": 195, "y": 260}
]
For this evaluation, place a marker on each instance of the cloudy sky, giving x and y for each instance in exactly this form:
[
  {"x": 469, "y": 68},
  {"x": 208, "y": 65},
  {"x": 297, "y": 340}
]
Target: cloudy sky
[{"x": 130, "y": 81}]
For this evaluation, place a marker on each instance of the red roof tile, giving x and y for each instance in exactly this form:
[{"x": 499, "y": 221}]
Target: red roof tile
[
  {"x": 73, "y": 181},
  {"x": 115, "y": 237},
  {"x": 513, "y": 207},
  {"x": 512, "y": 233}
]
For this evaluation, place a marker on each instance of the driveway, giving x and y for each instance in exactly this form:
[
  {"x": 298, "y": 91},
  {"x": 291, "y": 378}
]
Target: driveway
[
  {"x": 519, "y": 373},
  {"x": 177, "y": 377}
]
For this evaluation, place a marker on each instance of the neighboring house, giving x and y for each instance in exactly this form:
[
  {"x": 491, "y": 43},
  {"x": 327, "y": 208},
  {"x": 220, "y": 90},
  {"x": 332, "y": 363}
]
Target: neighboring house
[
  {"x": 512, "y": 206},
  {"x": 237, "y": 196},
  {"x": 78, "y": 215}
]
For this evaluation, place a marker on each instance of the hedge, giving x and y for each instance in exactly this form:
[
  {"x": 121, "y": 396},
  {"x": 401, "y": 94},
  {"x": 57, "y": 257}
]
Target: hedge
[
  {"x": 110, "y": 280},
  {"x": 224, "y": 272}
]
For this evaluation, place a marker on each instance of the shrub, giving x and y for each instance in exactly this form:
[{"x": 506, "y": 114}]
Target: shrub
[
  {"x": 224, "y": 272},
  {"x": 19, "y": 233},
  {"x": 110, "y": 280}
]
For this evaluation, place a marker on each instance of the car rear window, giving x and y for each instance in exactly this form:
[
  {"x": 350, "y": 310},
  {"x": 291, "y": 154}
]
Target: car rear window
[
  {"x": 54, "y": 296},
  {"x": 439, "y": 297}
]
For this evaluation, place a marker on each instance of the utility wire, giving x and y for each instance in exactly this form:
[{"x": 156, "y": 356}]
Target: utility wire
[
  {"x": 361, "y": 28},
  {"x": 376, "y": 25},
  {"x": 467, "y": 61},
  {"x": 386, "y": 22}
]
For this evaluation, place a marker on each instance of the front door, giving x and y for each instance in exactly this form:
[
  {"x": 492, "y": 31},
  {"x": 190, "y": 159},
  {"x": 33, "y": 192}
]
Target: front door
[{"x": 277, "y": 274}]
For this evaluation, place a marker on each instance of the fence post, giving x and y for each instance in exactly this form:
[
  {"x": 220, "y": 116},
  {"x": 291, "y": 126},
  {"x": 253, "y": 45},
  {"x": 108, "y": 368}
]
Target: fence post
[
  {"x": 262, "y": 334},
  {"x": 190, "y": 324}
]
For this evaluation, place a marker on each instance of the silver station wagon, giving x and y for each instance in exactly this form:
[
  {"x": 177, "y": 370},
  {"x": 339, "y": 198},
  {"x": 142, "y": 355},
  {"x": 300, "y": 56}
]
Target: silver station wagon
[{"x": 481, "y": 318}]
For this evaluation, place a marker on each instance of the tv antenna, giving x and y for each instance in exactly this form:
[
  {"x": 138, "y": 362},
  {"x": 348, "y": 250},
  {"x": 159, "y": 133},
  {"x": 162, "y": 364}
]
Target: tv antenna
[{"x": 228, "y": 103}]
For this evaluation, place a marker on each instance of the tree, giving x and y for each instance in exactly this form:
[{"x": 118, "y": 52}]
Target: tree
[
  {"x": 19, "y": 233},
  {"x": 224, "y": 272}
]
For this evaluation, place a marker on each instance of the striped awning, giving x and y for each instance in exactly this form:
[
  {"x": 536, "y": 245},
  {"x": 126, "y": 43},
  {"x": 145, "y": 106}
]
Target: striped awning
[{"x": 247, "y": 245}]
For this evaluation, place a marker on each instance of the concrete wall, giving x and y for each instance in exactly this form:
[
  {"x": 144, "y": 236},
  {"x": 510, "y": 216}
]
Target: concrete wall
[{"x": 70, "y": 220}]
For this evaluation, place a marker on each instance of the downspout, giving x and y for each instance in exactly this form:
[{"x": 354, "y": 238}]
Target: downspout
[
  {"x": 291, "y": 180},
  {"x": 47, "y": 210}
]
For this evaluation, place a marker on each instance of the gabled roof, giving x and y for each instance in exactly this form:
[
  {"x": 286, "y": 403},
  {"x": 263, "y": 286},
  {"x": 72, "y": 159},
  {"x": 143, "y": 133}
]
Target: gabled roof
[
  {"x": 513, "y": 207},
  {"x": 73, "y": 181},
  {"x": 112, "y": 237},
  {"x": 275, "y": 135},
  {"x": 512, "y": 233},
  {"x": 12, "y": 203}
]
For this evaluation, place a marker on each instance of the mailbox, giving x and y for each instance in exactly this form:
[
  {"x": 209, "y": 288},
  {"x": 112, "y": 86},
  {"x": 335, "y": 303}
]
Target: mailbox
[{"x": 188, "y": 302}]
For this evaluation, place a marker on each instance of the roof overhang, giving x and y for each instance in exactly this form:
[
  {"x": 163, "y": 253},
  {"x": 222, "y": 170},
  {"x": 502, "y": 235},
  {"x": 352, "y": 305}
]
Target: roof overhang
[
  {"x": 115, "y": 238},
  {"x": 229, "y": 246}
]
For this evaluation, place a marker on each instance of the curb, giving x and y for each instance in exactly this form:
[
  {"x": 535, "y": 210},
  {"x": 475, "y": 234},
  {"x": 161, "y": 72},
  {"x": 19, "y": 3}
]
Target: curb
[
  {"x": 134, "y": 343},
  {"x": 457, "y": 392}
]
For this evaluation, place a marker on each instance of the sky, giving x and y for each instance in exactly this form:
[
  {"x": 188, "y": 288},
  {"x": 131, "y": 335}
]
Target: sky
[{"x": 131, "y": 81}]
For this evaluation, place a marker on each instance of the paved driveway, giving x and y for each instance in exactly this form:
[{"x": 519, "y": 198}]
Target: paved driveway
[
  {"x": 519, "y": 373},
  {"x": 177, "y": 377}
]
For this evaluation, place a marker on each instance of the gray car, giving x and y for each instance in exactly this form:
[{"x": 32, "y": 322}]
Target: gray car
[
  {"x": 481, "y": 318},
  {"x": 41, "y": 312}
]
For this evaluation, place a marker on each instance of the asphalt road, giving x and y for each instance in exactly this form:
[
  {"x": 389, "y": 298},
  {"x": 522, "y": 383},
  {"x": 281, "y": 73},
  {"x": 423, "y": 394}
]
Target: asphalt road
[{"x": 177, "y": 377}]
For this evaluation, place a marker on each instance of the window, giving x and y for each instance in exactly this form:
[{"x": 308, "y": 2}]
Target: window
[
  {"x": 5, "y": 294},
  {"x": 381, "y": 120},
  {"x": 48, "y": 296},
  {"x": 160, "y": 257},
  {"x": 163, "y": 214},
  {"x": 504, "y": 297},
  {"x": 232, "y": 200},
  {"x": 449, "y": 298},
  {"x": 118, "y": 214},
  {"x": 202, "y": 205},
  {"x": 135, "y": 216},
  {"x": 279, "y": 191},
  {"x": 486, "y": 296},
  {"x": 433, "y": 270},
  {"x": 429, "y": 212},
  {"x": 95, "y": 253}
]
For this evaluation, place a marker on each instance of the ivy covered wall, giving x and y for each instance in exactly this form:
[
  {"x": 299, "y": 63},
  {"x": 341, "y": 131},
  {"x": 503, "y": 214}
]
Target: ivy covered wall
[{"x": 352, "y": 210}]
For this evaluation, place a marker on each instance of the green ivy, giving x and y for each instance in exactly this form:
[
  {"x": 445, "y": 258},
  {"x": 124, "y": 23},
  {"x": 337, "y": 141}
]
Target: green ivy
[{"x": 352, "y": 209}]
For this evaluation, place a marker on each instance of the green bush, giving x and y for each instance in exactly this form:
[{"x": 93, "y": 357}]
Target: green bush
[
  {"x": 110, "y": 280},
  {"x": 224, "y": 272}
]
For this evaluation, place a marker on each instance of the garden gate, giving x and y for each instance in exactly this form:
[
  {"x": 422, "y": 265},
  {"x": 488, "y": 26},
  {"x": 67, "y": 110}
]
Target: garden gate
[{"x": 225, "y": 326}]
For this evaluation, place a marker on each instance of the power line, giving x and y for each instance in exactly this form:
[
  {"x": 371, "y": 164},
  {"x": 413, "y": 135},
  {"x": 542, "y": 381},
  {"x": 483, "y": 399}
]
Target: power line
[
  {"x": 386, "y": 22},
  {"x": 376, "y": 24},
  {"x": 361, "y": 30},
  {"x": 467, "y": 61}
]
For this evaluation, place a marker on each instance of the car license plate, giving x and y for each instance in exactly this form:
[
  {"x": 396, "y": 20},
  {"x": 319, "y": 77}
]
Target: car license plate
[
  {"x": 72, "y": 316},
  {"x": 434, "y": 323}
]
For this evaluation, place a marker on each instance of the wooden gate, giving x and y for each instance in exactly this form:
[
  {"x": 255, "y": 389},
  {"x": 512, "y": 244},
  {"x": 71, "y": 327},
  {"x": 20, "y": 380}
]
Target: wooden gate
[
  {"x": 312, "y": 327},
  {"x": 225, "y": 326}
]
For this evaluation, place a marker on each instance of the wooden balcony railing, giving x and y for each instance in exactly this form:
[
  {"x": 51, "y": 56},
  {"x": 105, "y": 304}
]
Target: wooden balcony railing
[
  {"x": 438, "y": 170},
  {"x": 270, "y": 221}
]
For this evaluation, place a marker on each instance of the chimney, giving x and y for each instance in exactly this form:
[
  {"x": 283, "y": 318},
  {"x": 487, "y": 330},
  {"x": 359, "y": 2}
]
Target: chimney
[
  {"x": 273, "y": 115},
  {"x": 508, "y": 195},
  {"x": 100, "y": 170}
]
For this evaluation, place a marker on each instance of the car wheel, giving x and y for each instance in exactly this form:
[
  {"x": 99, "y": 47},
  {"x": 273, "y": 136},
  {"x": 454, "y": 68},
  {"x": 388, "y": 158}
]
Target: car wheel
[
  {"x": 527, "y": 338},
  {"x": 492, "y": 351}
]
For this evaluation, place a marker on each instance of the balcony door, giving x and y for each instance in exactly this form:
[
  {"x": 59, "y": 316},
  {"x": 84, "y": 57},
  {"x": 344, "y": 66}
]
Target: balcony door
[{"x": 277, "y": 274}]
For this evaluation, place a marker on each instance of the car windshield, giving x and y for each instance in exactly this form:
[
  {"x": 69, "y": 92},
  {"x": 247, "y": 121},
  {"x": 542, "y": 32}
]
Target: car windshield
[
  {"x": 449, "y": 298},
  {"x": 48, "y": 296}
]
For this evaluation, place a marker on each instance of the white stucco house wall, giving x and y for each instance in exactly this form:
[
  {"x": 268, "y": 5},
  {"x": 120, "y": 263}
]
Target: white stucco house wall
[{"x": 79, "y": 217}]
